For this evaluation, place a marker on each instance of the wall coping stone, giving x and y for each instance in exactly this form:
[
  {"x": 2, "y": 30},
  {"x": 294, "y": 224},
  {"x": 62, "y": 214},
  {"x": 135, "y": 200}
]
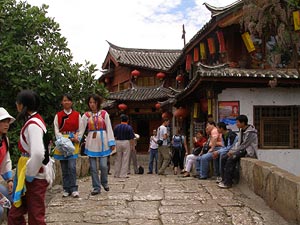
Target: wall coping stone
[{"x": 279, "y": 188}]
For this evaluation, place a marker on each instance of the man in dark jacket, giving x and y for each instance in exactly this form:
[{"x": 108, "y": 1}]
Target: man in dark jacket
[
  {"x": 245, "y": 147},
  {"x": 229, "y": 139}
]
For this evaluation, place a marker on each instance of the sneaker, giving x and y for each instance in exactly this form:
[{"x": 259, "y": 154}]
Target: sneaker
[
  {"x": 106, "y": 188},
  {"x": 75, "y": 194},
  {"x": 66, "y": 194},
  {"x": 149, "y": 172},
  {"x": 222, "y": 185},
  {"x": 219, "y": 180},
  {"x": 95, "y": 192}
]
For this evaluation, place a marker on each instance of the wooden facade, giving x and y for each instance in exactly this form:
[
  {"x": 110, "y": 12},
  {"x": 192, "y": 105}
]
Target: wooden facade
[{"x": 222, "y": 55}]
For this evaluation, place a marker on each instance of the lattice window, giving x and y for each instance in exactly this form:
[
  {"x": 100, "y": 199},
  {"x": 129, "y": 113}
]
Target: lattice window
[{"x": 277, "y": 126}]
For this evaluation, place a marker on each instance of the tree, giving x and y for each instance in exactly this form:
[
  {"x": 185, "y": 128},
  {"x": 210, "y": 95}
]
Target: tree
[
  {"x": 271, "y": 20},
  {"x": 34, "y": 55}
]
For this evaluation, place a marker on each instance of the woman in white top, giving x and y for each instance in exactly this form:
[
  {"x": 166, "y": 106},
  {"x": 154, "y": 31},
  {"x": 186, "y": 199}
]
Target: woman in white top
[{"x": 31, "y": 184}]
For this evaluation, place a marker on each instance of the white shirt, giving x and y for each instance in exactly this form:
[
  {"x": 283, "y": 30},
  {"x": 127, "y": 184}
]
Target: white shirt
[
  {"x": 161, "y": 131},
  {"x": 153, "y": 144}
]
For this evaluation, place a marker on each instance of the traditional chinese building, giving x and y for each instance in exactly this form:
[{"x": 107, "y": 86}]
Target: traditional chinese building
[
  {"x": 240, "y": 62},
  {"x": 138, "y": 79},
  {"x": 234, "y": 69}
]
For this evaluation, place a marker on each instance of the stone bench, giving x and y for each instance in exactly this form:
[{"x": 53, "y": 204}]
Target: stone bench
[{"x": 279, "y": 188}]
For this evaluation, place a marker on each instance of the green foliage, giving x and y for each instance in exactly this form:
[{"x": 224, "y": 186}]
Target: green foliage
[{"x": 34, "y": 55}]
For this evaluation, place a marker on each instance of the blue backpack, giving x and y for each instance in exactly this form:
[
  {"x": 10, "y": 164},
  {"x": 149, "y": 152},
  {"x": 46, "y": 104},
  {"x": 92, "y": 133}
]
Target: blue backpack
[{"x": 177, "y": 141}]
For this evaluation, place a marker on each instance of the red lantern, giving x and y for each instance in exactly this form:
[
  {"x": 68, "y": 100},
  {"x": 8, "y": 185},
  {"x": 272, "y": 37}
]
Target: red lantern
[
  {"x": 167, "y": 115},
  {"x": 135, "y": 73},
  {"x": 179, "y": 78},
  {"x": 157, "y": 105},
  {"x": 160, "y": 75},
  {"x": 122, "y": 107},
  {"x": 203, "y": 105},
  {"x": 181, "y": 113}
]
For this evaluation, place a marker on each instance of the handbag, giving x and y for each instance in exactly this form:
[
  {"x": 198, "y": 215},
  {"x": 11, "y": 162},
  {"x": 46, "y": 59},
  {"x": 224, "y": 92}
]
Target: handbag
[
  {"x": 159, "y": 142},
  {"x": 206, "y": 147},
  {"x": 197, "y": 151}
]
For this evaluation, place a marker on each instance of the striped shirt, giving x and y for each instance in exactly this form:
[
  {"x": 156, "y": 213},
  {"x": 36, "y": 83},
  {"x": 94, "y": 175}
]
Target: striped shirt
[{"x": 123, "y": 131}]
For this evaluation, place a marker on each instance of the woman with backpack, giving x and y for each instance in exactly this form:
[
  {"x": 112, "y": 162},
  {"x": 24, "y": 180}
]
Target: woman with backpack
[{"x": 179, "y": 150}]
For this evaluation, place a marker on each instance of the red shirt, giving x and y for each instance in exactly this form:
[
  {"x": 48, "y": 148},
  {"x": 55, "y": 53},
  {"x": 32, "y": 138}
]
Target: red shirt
[{"x": 200, "y": 142}]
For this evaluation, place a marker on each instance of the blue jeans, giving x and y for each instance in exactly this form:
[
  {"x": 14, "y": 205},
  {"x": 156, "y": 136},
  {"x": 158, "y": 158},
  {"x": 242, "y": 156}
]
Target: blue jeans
[
  {"x": 95, "y": 172},
  {"x": 4, "y": 191},
  {"x": 202, "y": 165},
  {"x": 153, "y": 155},
  {"x": 68, "y": 168}
]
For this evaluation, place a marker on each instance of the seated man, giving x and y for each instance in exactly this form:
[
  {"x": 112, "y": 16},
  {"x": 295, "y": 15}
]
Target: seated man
[
  {"x": 229, "y": 139},
  {"x": 215, "y": 143},
  {"x": 245, "y": 147}
]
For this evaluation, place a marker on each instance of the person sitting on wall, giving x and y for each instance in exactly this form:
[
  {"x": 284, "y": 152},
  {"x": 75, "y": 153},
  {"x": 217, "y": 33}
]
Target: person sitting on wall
[
  {"x": 229, "y": 139},
  {"x": 215, "y": 143},
  {"x": 245, "y": 147},
  {"x": 198, "y": 142}
]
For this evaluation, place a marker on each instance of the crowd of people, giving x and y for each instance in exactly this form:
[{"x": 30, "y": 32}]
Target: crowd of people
[
  {"x": 26, "y": 190},
  {"x": 216, "y": 151}
]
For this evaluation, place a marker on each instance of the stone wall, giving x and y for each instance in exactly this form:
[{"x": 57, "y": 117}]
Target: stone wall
[
  {"x": 82, "y": 169},
  {"x": 279, "y": 188}
]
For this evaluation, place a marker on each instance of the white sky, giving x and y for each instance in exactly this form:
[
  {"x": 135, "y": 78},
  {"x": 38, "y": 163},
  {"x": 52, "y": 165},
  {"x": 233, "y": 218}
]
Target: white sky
[{"x": 154, "y": 24}]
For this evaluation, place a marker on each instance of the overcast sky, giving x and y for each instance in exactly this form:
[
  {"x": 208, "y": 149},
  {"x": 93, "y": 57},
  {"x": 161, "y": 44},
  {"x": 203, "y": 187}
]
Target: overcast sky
[{"x": 155, "y": 24}]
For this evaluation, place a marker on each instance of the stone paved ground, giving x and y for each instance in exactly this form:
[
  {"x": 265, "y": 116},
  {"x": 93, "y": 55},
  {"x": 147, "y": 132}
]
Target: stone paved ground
[{"x": 156, "y": 200}]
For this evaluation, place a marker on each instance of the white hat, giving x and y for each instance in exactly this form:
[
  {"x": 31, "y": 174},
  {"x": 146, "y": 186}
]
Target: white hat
[{"x": 5, "y": 115}]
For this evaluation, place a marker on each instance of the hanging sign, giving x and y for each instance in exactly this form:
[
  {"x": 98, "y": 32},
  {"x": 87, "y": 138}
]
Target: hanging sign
[
  {"x": 211, "y": 46},
  {"x": 248, "y": 42},
  {"x": 202, "y": 50},
  {"x": 188, "y": 62},
  {"x": 221, "y": 42},
  {"x": 196, "y": 54},
  {"x": 296, "y": 17}
]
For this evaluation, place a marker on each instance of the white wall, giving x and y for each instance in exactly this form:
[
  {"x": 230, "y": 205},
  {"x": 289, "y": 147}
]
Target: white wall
[{"x": 249, "y": 97}]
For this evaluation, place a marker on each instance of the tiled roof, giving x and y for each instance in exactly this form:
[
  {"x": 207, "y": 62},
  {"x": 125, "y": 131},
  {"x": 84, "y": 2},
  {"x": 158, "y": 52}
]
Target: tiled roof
[
  {"x": 224, "y": 71},
  {"x": 142, "y": 94},
  {"x": 156, "y": 59},
  {"x": 215, "y": 11}
]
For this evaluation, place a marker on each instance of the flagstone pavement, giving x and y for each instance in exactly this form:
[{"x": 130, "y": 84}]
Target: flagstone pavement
[{"x": 150, "y": 199}]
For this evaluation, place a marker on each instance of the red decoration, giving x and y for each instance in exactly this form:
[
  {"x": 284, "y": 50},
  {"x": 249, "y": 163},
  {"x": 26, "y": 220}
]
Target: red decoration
[
  {"x": 188, "y": 62},
  {"x": 167, "y": 115},
  {"x": 135, "y": 73},
  {"x": 221, "y": 42},
  {"x": 122, "y": 107},
  {"x": 160, "y": 75},
  {"x": 196, "y": 54},
  {"x": 157, "y": 105},
  {"x": 203, "y": 104},
  {"x": 211, "y": 46},
  {"x": 179, "y": 78},
  {"x": 181, "y": 113}
]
